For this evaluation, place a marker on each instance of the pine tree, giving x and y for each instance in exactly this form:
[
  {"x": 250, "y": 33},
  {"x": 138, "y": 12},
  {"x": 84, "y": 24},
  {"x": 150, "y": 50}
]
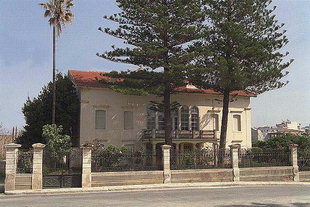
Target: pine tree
[
  {"x": 241, "y": 51},
  {"x": 158, "y": 33}
]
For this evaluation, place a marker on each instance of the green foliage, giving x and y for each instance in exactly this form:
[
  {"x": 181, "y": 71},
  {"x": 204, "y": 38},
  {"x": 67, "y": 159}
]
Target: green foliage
[
  {"x": 58, "y": 144},
  {"x": 157, "y": 34},
  {"x": 242, "y": 48},
  {"x": 38, "y": 112},
  {"x": 283, "y": 142},
  {"x": 108, "y": 158}
]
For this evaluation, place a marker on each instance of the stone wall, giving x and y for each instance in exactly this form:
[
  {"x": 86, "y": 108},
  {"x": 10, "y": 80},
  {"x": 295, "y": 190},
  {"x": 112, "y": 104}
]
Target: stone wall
[
  {"x": 23, "y": 182},
  {"x": 208, "y": 175},
  {"x": 126, "y": 178},
  {"x": 304, "y": 176},
  {"x": 267, "y": 174}
]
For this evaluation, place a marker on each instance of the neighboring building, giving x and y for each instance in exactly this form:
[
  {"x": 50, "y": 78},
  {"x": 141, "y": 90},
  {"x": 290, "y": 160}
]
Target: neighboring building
[
  {"x": 119, "y": 119},
  {"x": 267, "y": 132},
  {"x": 289, "y": 125},
  {"x": 5, "y": 139}
]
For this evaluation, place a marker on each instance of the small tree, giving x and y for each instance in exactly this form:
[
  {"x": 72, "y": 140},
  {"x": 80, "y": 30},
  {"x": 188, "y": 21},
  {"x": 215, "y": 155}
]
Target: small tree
[
  {"x": 241, "y": 51},
  {"x": 58, "y": 144},
  {"x": 37, "y": 112}
]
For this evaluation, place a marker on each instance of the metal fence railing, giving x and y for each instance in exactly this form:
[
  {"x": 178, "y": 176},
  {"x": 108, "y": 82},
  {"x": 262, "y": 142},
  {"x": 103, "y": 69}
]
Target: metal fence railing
[
  {"x": 103, "y": 161},
  {"x": 264, "y": 159},
  {"x": 24, "y": 161},
  {"x": 199, "y": 159},
  {"x": 304, "y": 160}
]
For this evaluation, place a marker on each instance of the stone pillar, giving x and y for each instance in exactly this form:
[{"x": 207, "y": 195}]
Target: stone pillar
[
  {"x": 37, "y": 175},
  {"x": 216, "y": 154},
  {"x": 86, "y": 167},
  {"x": 234, "y": 149},
  {"x": 166, "y": 163},
  {"x": 10, "y": 166},
  {"x": 294, "y": 161}
]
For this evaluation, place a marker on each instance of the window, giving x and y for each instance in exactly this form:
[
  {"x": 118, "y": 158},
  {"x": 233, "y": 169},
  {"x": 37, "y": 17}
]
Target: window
[
  {"x": 184, "y": 118},
  {"x": 237, "y": 123},
  {"x": 128, "y": 120},
  {"x": 195, "y": 118},
  {"x": 100, "y": 119},
  {"x": 215, "y": 122},
  {"x": 151, "y": 119},
  {"x": 161, "y": 121},
  {"x": 175, "y": 120}
]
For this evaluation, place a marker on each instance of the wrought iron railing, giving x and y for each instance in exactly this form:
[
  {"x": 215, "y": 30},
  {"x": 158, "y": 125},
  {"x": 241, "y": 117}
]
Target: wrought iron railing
[
  {"x": 24, "y": 161},
  {"x": 128, "y": 161},
  {"x": 264, "y": 159},
  {"x": 180, "y": 134},
  {"x": 53, "y": 165},
  {"x": 199, "y": 159},
  {"x": 304, "y": 160}
]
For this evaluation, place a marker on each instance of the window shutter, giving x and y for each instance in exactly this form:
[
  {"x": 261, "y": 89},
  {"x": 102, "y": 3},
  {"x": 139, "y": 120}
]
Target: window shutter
[
  {"x": 100, "y": 119},
  {"x": 128, "y": 120}
]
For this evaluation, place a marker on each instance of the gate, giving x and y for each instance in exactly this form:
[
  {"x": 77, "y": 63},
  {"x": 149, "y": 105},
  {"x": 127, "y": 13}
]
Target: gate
[{"x": 62, "y": 173}]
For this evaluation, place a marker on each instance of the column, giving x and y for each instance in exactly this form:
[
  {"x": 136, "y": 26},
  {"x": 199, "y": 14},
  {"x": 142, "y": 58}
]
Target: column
[
  {"x": 234, "y": 161},
  {"x": 37, "y": 176},
  {"x": 215, "y": 153},
  {"x": 86, "y": 167},
  {"x": 166, "y": 163},
  {"x": 294, "y": 161},
  {"x": 10, "y": 166}
]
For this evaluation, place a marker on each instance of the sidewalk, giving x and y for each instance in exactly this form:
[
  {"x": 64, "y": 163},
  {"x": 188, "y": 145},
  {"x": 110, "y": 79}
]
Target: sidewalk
[{"x": 149, "y": 187}]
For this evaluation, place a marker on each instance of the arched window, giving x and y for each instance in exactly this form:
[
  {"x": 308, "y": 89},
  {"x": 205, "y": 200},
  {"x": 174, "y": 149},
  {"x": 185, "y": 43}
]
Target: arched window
[
  {"x": 151, "y": 119},
  {"x": 195, "y": 118},
  {"x": 184, "y": 118},
  {"x": 175, "y": 120},
  {"x": 161, "y": 121}
]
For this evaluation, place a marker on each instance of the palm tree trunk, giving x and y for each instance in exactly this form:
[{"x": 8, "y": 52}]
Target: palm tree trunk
[{"x": 54, "y": 76}]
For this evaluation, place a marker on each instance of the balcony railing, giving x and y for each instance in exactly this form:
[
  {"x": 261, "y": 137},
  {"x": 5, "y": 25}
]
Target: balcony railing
[{"x": 180, "y": 134}]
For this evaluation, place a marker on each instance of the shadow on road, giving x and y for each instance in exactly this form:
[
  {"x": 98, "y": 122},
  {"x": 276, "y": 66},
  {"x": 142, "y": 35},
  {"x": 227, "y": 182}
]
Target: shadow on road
[{"x": 269, "y": 205}]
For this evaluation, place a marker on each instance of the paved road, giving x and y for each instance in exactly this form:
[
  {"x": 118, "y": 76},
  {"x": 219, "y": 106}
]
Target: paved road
[{"x": 254, "y": 196}]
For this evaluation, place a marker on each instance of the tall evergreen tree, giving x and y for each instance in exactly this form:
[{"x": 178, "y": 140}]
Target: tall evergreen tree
[
  {"x": 158, "y": 33},
  {"x": 241, "y": 51}
]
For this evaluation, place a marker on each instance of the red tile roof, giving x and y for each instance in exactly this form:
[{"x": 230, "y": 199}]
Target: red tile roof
[{"x": 91, "y": 79}]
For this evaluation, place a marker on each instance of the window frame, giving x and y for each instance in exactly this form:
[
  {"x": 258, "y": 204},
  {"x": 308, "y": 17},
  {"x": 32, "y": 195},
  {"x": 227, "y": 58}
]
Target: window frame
[
  {"x": 195, "y": 120},
  {"x": 237, "y": 128},
  {"x": 97, "y": 119},
  {"x": 215, "y": 121},
  {"x": 185, "y": 118},
  {"x": 131, "y": 121}
]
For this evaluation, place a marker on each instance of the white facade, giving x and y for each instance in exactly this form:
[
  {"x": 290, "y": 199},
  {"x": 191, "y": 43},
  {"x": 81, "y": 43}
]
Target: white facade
[{"x": 116, "y": 107}]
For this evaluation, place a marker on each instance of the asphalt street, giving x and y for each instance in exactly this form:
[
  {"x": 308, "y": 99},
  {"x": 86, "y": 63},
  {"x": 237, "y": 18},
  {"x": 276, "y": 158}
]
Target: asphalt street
[{"x": 260, "y": 196}]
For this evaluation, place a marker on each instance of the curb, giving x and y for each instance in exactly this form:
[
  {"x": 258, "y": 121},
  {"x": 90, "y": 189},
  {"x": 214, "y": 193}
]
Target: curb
[{"x": 147, "y": 187}]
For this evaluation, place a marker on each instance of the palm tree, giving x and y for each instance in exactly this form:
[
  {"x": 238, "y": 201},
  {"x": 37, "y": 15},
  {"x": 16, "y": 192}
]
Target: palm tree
[{"x": 59, "y": 14}]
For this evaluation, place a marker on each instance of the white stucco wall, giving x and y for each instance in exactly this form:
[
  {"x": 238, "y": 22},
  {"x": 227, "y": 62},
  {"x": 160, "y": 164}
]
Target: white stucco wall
[{"x": 115, "y": 104}]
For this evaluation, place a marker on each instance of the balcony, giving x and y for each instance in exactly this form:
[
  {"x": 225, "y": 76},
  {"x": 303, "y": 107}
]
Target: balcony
[{"x": 207, "y": 135}]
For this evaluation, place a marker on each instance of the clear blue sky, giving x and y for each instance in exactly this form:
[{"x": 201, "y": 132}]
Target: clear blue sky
[{"x": 26, "y": 53}]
